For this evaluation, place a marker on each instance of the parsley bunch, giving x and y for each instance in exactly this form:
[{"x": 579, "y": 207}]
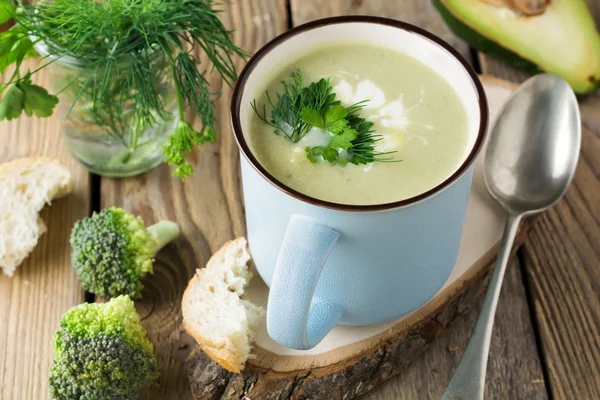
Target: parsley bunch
[
  {"x": 118, "y": 43},
  {"x": 298, "y": 109},
  {"x": 23, "y": 95}
]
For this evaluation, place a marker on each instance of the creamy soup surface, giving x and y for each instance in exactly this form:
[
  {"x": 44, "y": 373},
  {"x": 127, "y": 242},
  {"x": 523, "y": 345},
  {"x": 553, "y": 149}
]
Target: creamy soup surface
[{"x": 415, "y": 110}]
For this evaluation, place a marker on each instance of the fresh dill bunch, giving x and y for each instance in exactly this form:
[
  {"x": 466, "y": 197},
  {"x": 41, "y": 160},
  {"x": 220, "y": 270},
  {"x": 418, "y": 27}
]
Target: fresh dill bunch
[
  {"x": 121, "y": 42},
  {"x": 297, "y": 109},
  {"x": 286, "y": 111}
]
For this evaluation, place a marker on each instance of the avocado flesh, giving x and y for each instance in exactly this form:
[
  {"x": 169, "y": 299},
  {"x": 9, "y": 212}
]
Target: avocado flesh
[{"x": 563, "y": 40}]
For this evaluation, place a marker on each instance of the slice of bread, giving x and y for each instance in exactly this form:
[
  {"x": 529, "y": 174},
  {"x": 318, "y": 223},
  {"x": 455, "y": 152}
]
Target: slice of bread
[
  {"x": 213, "y": 313},
  {"x": 26, "y": 185}
]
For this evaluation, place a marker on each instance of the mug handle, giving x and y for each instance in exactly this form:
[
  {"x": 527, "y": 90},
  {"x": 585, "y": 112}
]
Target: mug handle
[{"x": 296, "y": 318}]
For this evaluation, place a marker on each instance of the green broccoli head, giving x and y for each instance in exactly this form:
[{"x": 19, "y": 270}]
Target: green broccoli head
[
  {"x": 113, "y": 251},
  {"x": 101, "y": 353}
]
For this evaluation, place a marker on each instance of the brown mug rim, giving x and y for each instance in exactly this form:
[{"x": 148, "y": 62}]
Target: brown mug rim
[{"x": 238, "y": 92}]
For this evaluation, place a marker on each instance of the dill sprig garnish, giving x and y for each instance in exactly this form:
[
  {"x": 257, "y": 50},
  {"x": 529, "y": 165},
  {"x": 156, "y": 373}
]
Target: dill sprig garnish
[
  {"x": 298, "y": 109},
  {"x": 286, "y": 112},
  {"x": 127, "y": 47}
]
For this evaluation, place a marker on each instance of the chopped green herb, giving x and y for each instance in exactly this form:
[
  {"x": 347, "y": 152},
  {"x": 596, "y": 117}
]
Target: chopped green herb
[
  {"x": 299, "y": 108},
  {"x": 286, "y": 114},
  {"x": 330, "y": 154}
]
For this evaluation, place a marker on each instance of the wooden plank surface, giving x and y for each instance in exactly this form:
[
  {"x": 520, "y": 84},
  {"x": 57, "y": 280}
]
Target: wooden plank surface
[
  {"x": 512, "y": 374},
  {"x": 208, "y": 207},
  {"x": 561, "y": 261},
  {"x": 45, "y": 285},
  {"x": 417, "y": 12},
  {"x": 514, "y": 361}
]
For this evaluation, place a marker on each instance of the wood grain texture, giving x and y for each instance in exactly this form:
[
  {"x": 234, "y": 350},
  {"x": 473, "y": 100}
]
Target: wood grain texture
[
  {"x": 418, "y": 12},
  {"x": 45, "y": 285},
  {"x": 561, "y": 259},
  {"x": 207, "y": 206},
  {"x": 512, "y": 372}
]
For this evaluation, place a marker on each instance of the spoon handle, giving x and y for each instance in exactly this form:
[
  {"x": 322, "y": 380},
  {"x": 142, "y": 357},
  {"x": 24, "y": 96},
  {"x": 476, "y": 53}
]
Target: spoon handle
[{"x": 468, "y": 382}]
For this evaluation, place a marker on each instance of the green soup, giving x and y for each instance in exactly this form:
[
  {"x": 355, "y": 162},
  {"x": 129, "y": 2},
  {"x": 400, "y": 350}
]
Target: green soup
[{"x": 415, "y": 110}]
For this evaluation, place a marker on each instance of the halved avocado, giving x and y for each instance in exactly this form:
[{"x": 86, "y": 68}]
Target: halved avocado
[{"x": 562, "y": 40}]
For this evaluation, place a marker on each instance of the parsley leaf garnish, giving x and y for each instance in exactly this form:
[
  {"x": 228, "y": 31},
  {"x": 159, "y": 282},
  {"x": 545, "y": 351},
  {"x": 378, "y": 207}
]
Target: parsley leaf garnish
[
  {"x": 37, "y": 99},
  {"x": 312, "y": 117},
  {"x": 7, "y": 9},
  {"x": 12, "y": 103},
  {"x": 25, "y": 96},
  {"x": 344, "y": 139},
  {"x": 331, "y": 119},
  {"x": 335, "y": 121},
  {"x": 299, "y": 108}
]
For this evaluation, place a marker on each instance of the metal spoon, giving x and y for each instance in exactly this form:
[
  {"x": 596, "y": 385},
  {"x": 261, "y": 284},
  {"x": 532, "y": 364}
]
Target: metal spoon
[{"x": 529, "y": 162}]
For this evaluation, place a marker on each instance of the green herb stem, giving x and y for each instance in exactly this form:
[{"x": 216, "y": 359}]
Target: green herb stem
[
  {"x": 300, "y": 108},
  {"x": 122, "y": 44},
  {"x": 180, "y": 106}
]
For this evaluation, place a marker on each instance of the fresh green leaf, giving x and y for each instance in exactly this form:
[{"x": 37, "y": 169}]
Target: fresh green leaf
[
  {"x": 21, "y": 49},
  {"x": 330, "y": 154},
  {"x": 334, "y": 114},
  {"x": 337, "y": 127},
  {"x": 37, "y": 100},
  {"x": 12, "y": 103},
  {"x": 317, "y": 150},
  {"x": 332, "y": 119},
  {"x": 312, "y": 153},
  {"x": 14, "y": 47},
  {"x": 344, "y": 139},
  {"x": 312, "y": 117},
  {"x": 309, "y": 155},
  {"x": 7, "y": 41},
  {"x": 7, "y": 10}
]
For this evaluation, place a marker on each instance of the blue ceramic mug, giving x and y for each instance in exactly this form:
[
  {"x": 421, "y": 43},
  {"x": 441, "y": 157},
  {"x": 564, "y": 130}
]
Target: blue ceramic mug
[{"x": 328, "y": 263}]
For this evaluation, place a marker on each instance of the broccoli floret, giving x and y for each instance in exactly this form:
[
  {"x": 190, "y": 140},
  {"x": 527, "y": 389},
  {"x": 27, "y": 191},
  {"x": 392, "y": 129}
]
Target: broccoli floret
[
  {"x": 113, "y": 251},
  {"x": 101, "y": 353}
]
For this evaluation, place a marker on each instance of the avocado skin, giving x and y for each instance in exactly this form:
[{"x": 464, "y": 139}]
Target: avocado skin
[{"x": 481, "y": 43}]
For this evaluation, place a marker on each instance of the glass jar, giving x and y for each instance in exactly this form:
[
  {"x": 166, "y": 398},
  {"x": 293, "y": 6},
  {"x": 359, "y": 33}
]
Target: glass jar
[{"x": 103, "y": 135}]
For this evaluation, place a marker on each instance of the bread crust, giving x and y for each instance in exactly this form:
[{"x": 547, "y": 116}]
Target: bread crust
[{"x": 217, "y": 352}]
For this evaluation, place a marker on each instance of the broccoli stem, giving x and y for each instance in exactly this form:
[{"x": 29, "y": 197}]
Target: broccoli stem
[{"x": 164, "y": 232}]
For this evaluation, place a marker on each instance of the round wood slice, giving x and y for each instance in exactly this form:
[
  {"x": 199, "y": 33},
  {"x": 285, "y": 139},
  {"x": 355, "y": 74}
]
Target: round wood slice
[{"x": 352, "y": 360}]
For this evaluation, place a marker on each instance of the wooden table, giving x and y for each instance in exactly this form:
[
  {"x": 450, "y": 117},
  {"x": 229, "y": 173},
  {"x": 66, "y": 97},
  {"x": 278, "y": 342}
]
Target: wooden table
[{"x": 546, "y": 341}]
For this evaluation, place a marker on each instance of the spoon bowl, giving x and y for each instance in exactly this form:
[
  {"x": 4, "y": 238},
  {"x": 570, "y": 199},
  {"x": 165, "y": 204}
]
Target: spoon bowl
[{"x": 532, "y": 150}]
